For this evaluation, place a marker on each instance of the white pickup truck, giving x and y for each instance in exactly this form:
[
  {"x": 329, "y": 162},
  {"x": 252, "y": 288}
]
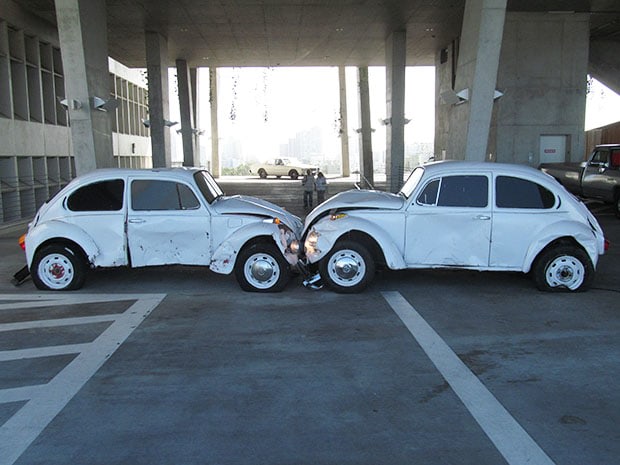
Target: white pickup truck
[{"x": 597, "y": 178}]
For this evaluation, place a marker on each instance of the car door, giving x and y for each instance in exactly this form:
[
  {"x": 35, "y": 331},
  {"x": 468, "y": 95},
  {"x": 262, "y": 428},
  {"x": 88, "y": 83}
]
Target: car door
[
  {"x": 97, "y": 209},
  {"x": 449, "y": 223},
  {"x": 167, "y": 224},
  {"x": 523, "y": 208},
  {"x": 594, "y": 180}
]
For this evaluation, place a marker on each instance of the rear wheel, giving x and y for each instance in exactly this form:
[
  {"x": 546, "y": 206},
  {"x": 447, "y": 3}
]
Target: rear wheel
[
  {"x": 58, "y": 268},
  {"x": 262, "y": 173},
  {"x": 563, "y": 268},
  {"x": 293, "y": 174},
  {"x": 262, "y": 268},
  {"x": 348, "y": 268}
]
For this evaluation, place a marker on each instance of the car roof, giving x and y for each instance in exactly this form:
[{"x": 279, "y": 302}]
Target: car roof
[
  {"x": 450, "y": 166},
  {"x": 108, "y": 173}
]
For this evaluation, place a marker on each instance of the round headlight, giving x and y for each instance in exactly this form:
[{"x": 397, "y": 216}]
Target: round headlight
[{"x": 294, "y": 247}]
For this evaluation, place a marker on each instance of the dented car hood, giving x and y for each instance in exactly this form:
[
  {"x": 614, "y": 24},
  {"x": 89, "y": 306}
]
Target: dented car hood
[
  {"x": 246, "y": 205},
  {"x": 357, "y": 199}
]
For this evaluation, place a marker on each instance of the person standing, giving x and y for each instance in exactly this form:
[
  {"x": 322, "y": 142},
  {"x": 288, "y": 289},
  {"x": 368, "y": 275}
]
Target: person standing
[
  {"x": 321, "y": 188},
  {"x": 308, "y": 184}
]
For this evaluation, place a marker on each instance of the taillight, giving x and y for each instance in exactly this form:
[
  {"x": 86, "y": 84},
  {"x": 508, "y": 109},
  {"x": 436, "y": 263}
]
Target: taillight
[
  {"x": 606, "y": 245},
  {"x": 22, "y": 242}
]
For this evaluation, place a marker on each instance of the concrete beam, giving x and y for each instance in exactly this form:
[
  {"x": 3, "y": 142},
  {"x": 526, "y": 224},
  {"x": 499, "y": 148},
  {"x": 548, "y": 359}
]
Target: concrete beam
[
  {"x": 604, "y": 65},
  {"x": 157, "y": 72},
  {"x": 365, "y": 131},
  {"x": 83, "y": 39},
  {"x": 395, "y": 59}
]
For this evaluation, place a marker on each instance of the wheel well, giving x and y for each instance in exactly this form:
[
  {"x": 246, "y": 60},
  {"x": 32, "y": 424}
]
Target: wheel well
[
  {"x": 367, "y": 241},
  {"x": 560, "y": 241},
  {"x": 257, "y": 240},
  {"x": 63, "y": 241}
]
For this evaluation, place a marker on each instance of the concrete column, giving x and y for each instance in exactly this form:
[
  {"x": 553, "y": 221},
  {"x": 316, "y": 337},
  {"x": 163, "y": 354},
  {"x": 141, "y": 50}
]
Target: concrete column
[
  {"x": 482, "y": 32},
  {"x": 84, "y": 42},
  {"x": 396, "y": 48},
  {"x": 157, "y": 72},
  {"x": 215, "y": 141},
  {"x": 365, "y": 131},
  {"x": 344, "y": 126},
  {"x": 193, "y": 79},
  {"x": 187, "y": 112}
]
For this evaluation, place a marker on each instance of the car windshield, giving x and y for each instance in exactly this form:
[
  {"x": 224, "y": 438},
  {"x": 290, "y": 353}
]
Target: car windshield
[
  {"x": 412, "y": 182},
  {"x": 207, "y": 185}
]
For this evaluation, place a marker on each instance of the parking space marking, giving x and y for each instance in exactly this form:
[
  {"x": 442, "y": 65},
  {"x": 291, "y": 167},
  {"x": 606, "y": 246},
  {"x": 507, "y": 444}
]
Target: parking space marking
[
  {"x": 44, "y": 402},
  {"x": 510, "y": 439}
]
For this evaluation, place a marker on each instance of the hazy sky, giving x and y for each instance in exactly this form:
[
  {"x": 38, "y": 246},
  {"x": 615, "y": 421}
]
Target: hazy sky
[{"x": 262, "y": 108}]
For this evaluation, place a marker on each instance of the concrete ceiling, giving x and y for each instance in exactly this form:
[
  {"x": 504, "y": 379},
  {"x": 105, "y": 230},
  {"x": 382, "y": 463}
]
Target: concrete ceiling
[{"x": 303, "y": 32}]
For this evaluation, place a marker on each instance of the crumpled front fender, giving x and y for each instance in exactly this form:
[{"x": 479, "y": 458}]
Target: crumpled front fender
[
  {"x": 225, "y": 256},
  {"x": 59, "y": 229},
  {"x": 330, "y": 231}
]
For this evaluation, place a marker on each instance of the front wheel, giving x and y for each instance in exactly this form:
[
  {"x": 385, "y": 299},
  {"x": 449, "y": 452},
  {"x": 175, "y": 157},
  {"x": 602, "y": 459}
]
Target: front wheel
[
  {"x": 563, "y": 268},
  {"x": 348, "y": 268},
  {"x": 262, "y": 268},
  {"x": 58, "y": 268}
]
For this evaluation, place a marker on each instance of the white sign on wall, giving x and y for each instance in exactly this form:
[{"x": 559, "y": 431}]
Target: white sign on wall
[{"x": 552, "y": 149}]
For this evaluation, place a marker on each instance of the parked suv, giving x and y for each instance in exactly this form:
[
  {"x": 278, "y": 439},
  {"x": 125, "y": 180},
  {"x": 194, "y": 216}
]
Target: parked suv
[{"x": 137, "y": 218}]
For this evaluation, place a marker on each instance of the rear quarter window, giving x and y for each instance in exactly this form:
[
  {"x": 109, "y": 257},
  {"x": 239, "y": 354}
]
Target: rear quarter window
[
  {"x": 514, "y": 192},
  {"x": 99, "y": 196}
]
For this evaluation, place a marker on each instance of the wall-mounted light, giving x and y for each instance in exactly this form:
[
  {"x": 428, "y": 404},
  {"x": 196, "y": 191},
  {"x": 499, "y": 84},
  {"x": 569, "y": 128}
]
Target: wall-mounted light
[
  {"x": 104, "y": 105},
  {"x": 69, "y": 104},
  {"x": 147, "y": 123}
]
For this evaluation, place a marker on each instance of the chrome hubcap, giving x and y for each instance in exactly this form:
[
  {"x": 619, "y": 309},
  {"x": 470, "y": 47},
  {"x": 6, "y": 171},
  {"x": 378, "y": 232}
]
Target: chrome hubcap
[
  {"x": 347, "y": 268},
  {"x": 262, "y": 271}
]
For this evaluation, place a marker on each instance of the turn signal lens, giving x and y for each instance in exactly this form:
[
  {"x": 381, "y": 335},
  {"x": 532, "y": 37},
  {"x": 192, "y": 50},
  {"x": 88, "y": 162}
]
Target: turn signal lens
[
  {"x": 22, "y": 242},
  {"x": 606, "y": 245}
]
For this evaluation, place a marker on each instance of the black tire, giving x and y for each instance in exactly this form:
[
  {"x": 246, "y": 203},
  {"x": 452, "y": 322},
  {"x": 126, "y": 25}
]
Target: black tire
[
  {"x": 617, "y": 205},
  {"x": 58, "y": 268},
  {"x": 563, "y": 268},
  {"x": 293, "y": 174},
  {"x": 348, "y": 268},
  {"x": 261, "y": 267},
  {"x": 262, "y": 173}
]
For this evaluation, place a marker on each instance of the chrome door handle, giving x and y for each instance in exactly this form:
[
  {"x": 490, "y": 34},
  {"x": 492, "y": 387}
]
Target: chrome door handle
[
  {"x": 482, "y": 217},
  {"x": 136, "y": 220}
]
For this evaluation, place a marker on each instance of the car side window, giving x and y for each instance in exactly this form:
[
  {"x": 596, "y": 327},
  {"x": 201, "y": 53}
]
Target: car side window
[
  {"x": 97, "y": 197},
  {"x": 148, "y": 194},
  {"x": 464, "y": 191},
  {"x": 521, "y": 193},
  {"x": 428, "y": 196},
  {"x": 600, "y": 157},
  {"x": 615, "y": 159}
]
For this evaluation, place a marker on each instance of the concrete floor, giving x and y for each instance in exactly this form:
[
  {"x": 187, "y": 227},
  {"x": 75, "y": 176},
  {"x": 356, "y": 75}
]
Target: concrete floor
[{"x": 178, "y": 365}]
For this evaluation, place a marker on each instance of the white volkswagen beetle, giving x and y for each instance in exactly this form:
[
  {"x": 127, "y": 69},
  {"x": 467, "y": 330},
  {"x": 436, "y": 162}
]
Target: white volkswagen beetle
[
  {"x": 137, "y": 218},
  {"x": 478, "y": 216}
]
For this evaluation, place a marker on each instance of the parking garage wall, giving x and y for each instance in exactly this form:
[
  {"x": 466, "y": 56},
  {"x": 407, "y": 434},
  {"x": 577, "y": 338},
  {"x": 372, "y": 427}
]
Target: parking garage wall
[{"x": 36, "y": 155}]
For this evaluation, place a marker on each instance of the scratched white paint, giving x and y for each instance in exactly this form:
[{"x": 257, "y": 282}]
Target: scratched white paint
[{"x": 413, "y": 235}]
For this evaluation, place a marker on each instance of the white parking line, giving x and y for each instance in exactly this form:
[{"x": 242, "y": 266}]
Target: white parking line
[
  {"x": 510, "y": 439},
  {"x": 44, "y": 402}
]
